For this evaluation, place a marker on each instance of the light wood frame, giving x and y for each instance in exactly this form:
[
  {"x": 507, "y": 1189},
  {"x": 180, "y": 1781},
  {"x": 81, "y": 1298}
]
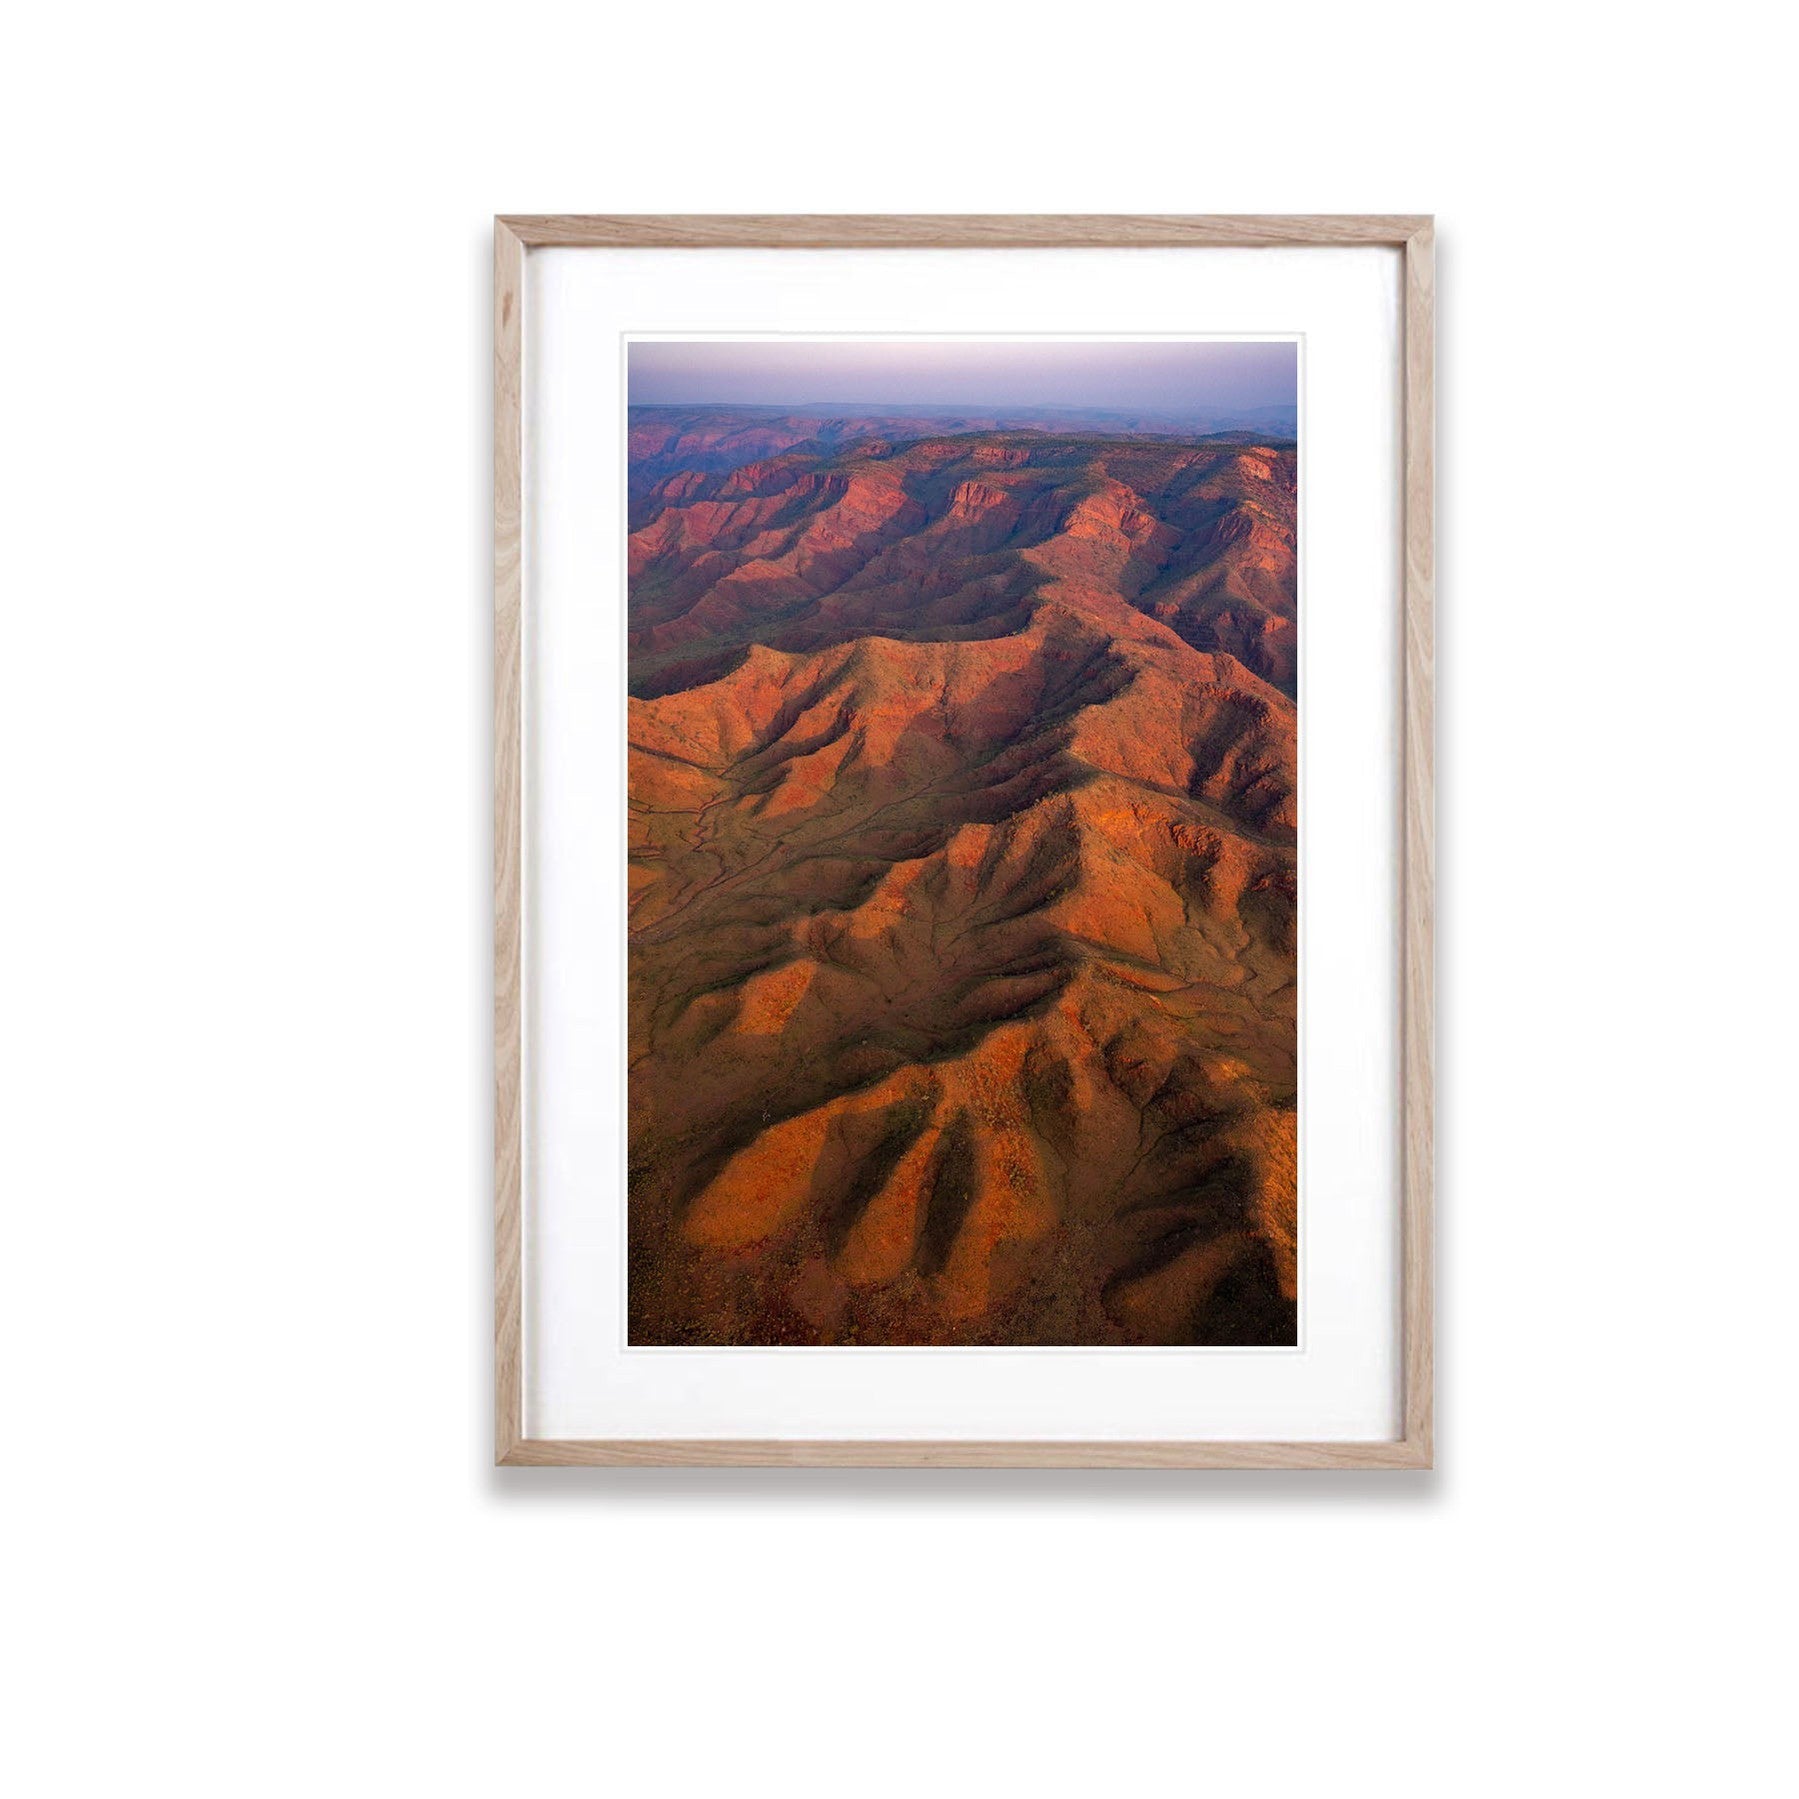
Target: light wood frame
[{"x": 1412, "y": 234}]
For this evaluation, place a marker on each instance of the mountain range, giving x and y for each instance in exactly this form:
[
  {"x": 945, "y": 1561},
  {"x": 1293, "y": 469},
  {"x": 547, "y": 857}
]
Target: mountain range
[
  {"x": 671, "y": 439},
  {"x": 963, "y": 873}
]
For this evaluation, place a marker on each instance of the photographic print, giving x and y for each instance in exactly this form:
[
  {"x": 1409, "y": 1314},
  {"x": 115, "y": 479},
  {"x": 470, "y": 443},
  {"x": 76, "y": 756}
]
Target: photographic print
[{"x": 963, "y": 792}]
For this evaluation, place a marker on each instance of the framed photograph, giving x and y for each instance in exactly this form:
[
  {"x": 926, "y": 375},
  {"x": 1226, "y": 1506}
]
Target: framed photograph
[{"x": 962, "y": 860}]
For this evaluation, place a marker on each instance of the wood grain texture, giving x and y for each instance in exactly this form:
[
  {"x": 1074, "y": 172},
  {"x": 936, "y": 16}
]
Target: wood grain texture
[
  {"x": 720, "y": 1452},
  {"x": 1410, "y": 233},
  {"x": 1418, "y": 848},
  {"x": 961, "y": 231},
  {"x": 508, "y": 824}
]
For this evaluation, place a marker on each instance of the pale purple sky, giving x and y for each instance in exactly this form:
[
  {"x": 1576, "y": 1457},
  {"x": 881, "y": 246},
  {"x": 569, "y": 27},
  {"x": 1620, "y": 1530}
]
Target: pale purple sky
[{"x": 1159, "y": 376}]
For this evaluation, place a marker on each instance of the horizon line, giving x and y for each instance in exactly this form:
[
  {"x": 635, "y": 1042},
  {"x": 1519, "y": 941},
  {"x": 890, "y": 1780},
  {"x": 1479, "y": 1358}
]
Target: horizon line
[{"x": 968, "y": 406}]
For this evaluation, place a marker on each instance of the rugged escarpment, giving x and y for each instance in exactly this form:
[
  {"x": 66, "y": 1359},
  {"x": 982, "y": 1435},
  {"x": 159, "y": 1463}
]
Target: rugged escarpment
[{"x": 963, "y": 906}]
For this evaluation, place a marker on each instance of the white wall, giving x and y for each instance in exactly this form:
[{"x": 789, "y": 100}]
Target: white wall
[{"x": 257, "y": 1546}]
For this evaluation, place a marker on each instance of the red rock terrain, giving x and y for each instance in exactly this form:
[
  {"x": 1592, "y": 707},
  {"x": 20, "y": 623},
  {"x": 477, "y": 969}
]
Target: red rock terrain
[{"x": 962, "y": 940}]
